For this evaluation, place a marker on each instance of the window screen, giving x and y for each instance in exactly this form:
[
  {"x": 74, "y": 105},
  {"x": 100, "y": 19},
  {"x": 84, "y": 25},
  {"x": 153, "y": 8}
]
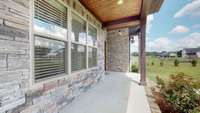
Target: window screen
[
  {"x": 49, "y": 57},
  {"x": 92, "y": 57},
  {"x": 78, "y": 57}
]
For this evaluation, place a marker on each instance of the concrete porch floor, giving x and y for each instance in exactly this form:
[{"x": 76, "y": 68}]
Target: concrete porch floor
[{"x": 116, "y": 93}]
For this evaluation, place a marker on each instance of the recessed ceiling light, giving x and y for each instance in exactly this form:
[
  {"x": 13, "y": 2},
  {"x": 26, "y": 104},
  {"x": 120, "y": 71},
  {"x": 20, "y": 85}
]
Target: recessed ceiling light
[{"x": 120, "y": 2}]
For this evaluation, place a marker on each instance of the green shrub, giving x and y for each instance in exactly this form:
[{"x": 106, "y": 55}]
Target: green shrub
[
  {"x": 152, "y": 63},
  {"x": 196, "y": 110},
  {"x": 181, "y": 92},
  {"x": 134, "y": 68},
  {"x": 160, "y": 82},
  {"x": 176, "y": 63},
  {"x": 161, "y": 63},
  {"x": 194, "y": 63}
]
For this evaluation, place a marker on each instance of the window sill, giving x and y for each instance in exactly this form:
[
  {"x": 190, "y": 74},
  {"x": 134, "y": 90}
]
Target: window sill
[
  {"x": 92, "y": 46},
  {"x": 38, "y": 83},
  {"x": 91, "y": 68},
  {"x": 83, "y": 70},
  {"x": 78, "y": 71}
]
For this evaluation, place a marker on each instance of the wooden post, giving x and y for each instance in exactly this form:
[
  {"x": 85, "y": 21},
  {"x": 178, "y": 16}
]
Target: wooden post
[{"x": 142, "y": 55}]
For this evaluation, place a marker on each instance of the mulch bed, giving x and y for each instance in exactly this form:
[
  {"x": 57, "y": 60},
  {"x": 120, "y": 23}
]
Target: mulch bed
[{"x": 164, "y": 106}]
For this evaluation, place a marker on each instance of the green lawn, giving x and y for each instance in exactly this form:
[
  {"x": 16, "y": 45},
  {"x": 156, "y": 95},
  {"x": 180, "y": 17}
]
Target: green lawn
[{"x": 168, "y": 68}]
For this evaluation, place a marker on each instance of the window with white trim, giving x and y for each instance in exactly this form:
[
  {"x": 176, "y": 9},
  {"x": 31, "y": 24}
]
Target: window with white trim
[
  {"x": 92, "y": 46},
  {"x": 92, "y": 57},
  {"x": 78, "y": 47},
  {"x": 92, "y": 36},
  {"x": 50, "y": 38},
  {"x": 78, "y": 57}
]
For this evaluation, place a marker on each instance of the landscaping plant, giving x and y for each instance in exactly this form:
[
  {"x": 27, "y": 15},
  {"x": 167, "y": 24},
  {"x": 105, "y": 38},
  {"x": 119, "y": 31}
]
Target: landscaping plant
[
  {"x": 194, "y": 63},
  {"x": 176, "y": 63},
  {"x": 161, "y": 63},
  {"x": 181, "y": 92},
  {"x": 152, "y": 63},
  {"x": 134, "y": 68}
]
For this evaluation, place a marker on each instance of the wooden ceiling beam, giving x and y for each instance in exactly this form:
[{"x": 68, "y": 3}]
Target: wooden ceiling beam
[
  {"x": 122, "y": 20},
  {"x": 123, "y": 25}
]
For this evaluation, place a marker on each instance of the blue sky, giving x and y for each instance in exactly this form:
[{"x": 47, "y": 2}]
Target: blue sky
[{"x": 175, "y": 26}]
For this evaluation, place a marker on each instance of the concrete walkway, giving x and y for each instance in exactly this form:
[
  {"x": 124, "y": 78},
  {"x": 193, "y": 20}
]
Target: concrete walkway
[{"x": 117, "y": 93}]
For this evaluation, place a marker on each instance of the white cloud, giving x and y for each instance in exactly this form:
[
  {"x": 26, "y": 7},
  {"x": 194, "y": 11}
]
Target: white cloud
[
  {"x": 196, "y": 26},
  {"x": 160, "y": 44},
  {"x": 150, "y": 19},
  {"x": 180, "y": 29},
  {"x": 191, "y": 9},
  {"x": 190, "y": 41},
  {"x": 170, "y": 44}
]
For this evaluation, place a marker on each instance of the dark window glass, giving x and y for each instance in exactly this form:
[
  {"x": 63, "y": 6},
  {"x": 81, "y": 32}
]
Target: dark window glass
[{"x": 49, "y": 57}]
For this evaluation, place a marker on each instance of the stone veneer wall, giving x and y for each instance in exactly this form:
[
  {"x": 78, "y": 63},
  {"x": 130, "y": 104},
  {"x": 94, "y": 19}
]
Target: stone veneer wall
[
  {"x": 117, "y": 50},
  {"x": 16, "y": 93}
]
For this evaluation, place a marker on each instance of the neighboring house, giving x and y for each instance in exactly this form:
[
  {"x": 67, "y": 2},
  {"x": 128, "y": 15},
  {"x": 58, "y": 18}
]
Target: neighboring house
[
  {"x": 155, "y": 54},
  {"x": 53, "y": 50},
  {"x": 198, "y": 54},
  {"x": 173, "y": 54},
  {"x": 164, "y": 54},
  {"x": 179, "y": 53},
  {"x": 191, "y": 53}
]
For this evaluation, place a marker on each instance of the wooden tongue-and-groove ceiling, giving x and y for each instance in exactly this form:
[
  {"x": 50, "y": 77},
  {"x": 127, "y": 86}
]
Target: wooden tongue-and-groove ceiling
[{"x": 115, "y": 13}]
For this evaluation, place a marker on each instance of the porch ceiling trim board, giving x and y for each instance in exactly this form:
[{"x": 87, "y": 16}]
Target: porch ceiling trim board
[
  {"x": 122, "y": 20},
  {"x": 123, "y": 25}
]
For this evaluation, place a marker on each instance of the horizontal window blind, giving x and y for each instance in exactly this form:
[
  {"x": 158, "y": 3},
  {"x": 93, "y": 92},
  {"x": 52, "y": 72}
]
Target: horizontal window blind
[
  {"x": 51, "y": 11},
  {"x": 78, "y": 57},
  {"x": 49, "y": 57}
]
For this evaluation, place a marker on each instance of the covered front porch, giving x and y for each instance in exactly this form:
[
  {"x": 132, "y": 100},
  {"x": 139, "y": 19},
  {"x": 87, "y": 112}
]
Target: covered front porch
[
  {"x": 117, "y": 93},
  {"x": 121, "y": 20},
  {"x": 53, "y": 51}
]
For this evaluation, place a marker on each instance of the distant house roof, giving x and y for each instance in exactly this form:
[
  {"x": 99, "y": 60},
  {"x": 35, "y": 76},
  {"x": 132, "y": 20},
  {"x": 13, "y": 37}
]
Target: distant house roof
[
  {"x": 192, "y": 50},
  {"x": 172, "y": 52},
  {"x": 164, "y": 54}
]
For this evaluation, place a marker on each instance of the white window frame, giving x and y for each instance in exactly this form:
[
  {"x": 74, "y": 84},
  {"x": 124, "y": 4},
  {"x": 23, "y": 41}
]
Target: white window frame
[
  {"x": 70, "y": 11},
  {"x": 91, "y": 46},
  {"x": 87, "y": 45},
  {"x": 78, "y": 43},
  {"x": 69, "y": 73},
  {"x": 32, "y": 49}
]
